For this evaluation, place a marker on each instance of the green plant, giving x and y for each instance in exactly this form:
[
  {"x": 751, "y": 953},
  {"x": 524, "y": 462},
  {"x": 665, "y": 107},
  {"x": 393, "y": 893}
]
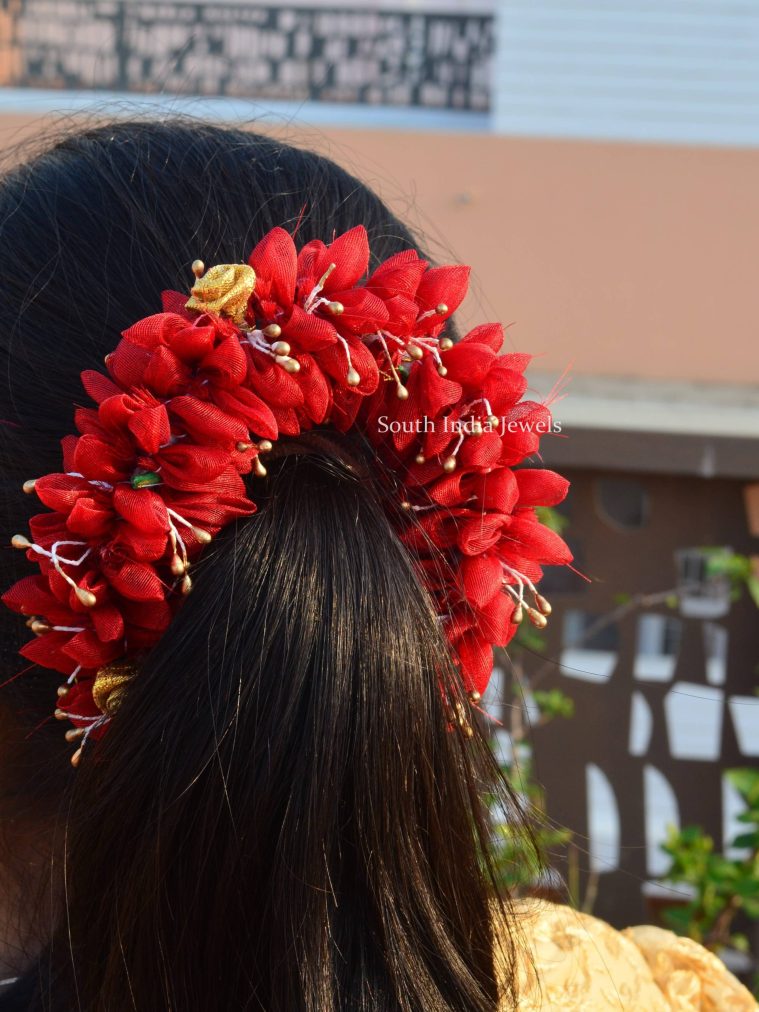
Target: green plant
[
  {"x": 514, "y": 870},
  {"x": 721, "y": 886},
  {"x": 739, "y": 570}
]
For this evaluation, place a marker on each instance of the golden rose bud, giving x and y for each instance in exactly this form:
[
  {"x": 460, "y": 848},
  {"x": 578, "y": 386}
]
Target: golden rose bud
[
  {"x": 110, "y": 685},
  {"x": 224, "y": 290}
]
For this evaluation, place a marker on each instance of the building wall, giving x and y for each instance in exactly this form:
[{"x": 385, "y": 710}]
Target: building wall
[
  {"x": 663, "y": 691},
  {"x": 610, "y": 259},
  {"x": 664, "y": 70}
]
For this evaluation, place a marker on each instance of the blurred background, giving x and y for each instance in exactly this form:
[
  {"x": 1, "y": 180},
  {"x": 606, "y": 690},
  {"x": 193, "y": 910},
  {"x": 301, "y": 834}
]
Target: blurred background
[{"x": 597, "y": 163}]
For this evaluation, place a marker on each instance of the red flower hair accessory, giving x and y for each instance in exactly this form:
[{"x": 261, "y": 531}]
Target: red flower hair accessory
[{"x": 195, "y": 396}]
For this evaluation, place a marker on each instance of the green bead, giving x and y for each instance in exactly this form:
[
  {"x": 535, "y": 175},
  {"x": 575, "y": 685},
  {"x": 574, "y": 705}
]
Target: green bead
[{"x": 144, "y": 479}]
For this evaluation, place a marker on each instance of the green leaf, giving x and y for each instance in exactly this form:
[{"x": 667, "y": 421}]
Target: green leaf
[
  {"x": 552, "y": 519},
  {"x": 740, "y": 942},
  {"x": 679, "y": 918},
  {"x": 554, "y": 703},
  {"x": 750, "y": 840},
  {"x": 748, "y": 888},
  {"x": 746, "y": 781}
]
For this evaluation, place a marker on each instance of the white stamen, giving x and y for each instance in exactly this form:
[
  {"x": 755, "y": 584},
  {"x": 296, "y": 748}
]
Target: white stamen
[
  {"x": 199, "y": 533},
  {"x": 310, "y": 304},
  {"x": 177, "y": 542},
  {"x": 396, "y": 377},
  {"x": 480, "y": 400},
  {"x": 58, "y": 561},
  {"x": 257, "y": 340},
  {"x": 93, "y": 721},
  {"x": 98, "y": 484},
  {"x": 519, "y": 577},
  {"x": 457, "y": 447}
]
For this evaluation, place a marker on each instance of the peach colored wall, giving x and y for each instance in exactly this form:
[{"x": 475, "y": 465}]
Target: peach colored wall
[{"x": 620, "y": 259}]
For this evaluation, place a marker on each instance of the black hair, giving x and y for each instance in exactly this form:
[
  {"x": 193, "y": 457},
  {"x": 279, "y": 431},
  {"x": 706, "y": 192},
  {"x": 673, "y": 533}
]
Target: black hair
[{"x": 279, "y": 817}]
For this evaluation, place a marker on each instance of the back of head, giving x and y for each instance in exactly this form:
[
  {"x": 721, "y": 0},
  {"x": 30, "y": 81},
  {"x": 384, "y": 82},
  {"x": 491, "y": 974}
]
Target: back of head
[{"x": 279, "y": 817}]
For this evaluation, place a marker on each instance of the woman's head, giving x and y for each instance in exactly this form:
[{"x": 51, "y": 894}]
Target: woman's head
[{"x": 279, "y": 817}]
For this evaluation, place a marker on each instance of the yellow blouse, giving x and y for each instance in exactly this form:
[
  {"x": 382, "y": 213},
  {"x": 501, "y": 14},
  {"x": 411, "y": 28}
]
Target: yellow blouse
[{"x": 576, "y": 963}]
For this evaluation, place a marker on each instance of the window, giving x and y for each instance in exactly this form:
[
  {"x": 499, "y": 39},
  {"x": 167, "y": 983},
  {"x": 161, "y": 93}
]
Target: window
[{"x": 622, "y": 503}]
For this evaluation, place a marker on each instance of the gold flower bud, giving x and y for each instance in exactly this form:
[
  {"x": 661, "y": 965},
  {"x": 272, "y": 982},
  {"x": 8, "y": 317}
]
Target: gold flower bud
[
  {"x": 224, "y": 290},
  {"x": 109, "y": 687}
]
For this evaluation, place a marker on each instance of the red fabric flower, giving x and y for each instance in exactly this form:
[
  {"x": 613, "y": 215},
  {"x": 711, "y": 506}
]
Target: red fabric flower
[{"x": 190, "y": 401}]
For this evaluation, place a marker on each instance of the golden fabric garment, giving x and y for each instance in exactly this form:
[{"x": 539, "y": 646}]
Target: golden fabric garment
[{"x": 573, "y": 962}]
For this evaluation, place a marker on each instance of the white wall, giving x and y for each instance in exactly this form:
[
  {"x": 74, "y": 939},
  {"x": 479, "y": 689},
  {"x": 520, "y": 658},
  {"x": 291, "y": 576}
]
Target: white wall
[{"x": 659, "y": 70}]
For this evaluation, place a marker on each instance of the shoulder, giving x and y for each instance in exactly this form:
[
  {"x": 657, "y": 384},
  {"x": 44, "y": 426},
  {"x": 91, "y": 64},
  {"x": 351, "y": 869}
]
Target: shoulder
[
  {"x": 574, "y": 962},
  {"x": 687, "y": 972}
]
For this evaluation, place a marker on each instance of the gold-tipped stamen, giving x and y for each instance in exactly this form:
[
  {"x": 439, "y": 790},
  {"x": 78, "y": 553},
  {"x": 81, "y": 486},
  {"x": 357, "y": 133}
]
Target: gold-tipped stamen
[
  {"x": 449, "y": 464},
  {"x": 281, "y": 348},
  {"x": 474, "y": 696},
  {"x": 461, "y": 718},
  {"x": 28, "y": 486},
  {"x": 337, "y": 308},
  {"x": 353, "y": 378},
  {"x": 76, "y": 757},
  {"x": 420, "y": 458},
  {"x": 442, "y": 371},
  {"x": 186, "y": 584},
  {"x": 60, "y": 714},
  {"x": 272, "y": 330},
  {"x": 62, "y": 690},
  {"x": 178, "y": 567},
  {"x": 259, "y": 468},
  {"x": 441, "y": 309},
  {"x": 19, "y": 541},
  {"x": 198, "y": 268},
  {"x": 517, "y": 615},
  {"x": 291, "y": 365},
  {"x": 538, "y": 620},
  {"x": 446, "y": 344},
  {"x": 39, "y": 628},
  {"x": 544, "y": 605},
  {"x": 401, "y": 392},
  {"x": 203, "y": 536},
  {"x": 323, "y": 279},
  {"x": 415, "y": 351},
  {"x": 74, "y": 733},
  {"x": 85, "y": 597},
  {"x": 243, "y": 447},
  {"x": 265, "y": 446}
]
